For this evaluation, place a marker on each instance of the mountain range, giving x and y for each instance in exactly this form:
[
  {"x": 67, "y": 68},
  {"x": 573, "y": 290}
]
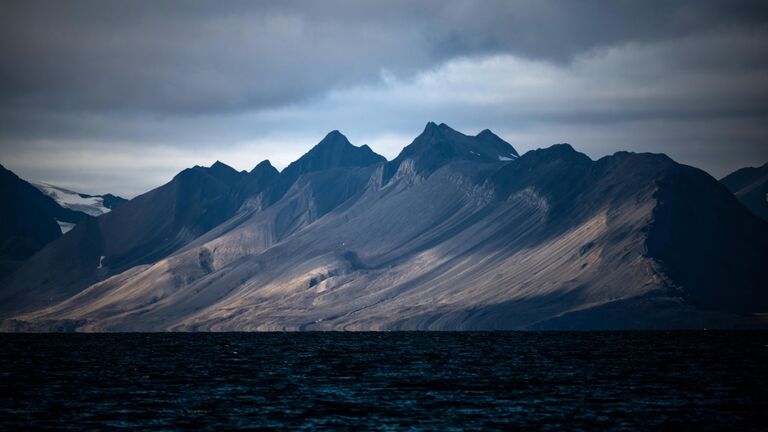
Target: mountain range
[
  {"x": 458, "y": 232},
  {"x": 33, "y": 215}
]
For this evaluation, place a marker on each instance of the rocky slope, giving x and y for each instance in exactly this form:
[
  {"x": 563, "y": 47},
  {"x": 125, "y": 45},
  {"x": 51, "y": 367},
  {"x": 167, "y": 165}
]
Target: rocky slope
[{"x": 457, "y": 232}]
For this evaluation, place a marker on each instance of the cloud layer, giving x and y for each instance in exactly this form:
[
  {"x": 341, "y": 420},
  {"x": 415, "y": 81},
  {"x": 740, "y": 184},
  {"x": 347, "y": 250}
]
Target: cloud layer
[{"x": 118, "y": 96}]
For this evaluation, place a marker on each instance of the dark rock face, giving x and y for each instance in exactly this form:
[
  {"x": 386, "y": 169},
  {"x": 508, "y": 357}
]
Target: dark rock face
[
  {"x": 712, "y": 247},
  {"x": 113, "y": 201},
  {"x": 494, "y": 145},
  {"x": 750, "y": 185},
  {"x": 263, "y": 179},
  {"x": 27, "y": 220},
  {"x": 458, "y": 232}
]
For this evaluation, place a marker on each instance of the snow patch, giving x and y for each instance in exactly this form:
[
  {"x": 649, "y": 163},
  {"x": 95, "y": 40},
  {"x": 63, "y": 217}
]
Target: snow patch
[
  {"x": 101, "y": 262},
  {"x": 505, "y": 158},
  {"x": 91, "y": 205},
  {"x": 65, "y": 226}
]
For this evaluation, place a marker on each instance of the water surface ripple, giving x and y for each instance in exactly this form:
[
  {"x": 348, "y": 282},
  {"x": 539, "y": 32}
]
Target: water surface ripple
[{"x": 385, "y": 381}]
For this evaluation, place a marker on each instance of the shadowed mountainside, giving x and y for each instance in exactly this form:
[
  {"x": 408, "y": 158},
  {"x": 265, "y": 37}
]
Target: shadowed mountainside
[
  {"x": 750, "y": 185},
  {"x": 457, "y": 232},
  {"x": 29, "y": 220}
]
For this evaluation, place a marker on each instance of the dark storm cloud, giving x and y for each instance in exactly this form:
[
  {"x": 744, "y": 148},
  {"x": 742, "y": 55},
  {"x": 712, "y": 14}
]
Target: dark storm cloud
[
  {"x": 134, "y": 91},
  {"x": 203, "y": 57}
]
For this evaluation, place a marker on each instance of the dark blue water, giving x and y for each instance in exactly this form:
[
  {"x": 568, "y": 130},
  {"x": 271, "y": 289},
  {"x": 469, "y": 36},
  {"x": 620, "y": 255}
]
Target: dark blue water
[{"x": 385, "y": 381}]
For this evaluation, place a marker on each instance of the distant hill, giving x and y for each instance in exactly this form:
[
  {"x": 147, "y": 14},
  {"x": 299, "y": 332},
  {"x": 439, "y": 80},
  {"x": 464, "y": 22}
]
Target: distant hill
[{"x": 750, "y": 185}]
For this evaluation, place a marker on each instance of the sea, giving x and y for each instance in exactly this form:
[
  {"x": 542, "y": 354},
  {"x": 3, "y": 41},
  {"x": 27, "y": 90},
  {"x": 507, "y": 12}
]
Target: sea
[{"x": 436, "y": 381}]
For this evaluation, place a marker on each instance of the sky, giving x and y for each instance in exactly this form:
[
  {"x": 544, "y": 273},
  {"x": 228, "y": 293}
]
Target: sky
[{"x": 114, "y": 96}]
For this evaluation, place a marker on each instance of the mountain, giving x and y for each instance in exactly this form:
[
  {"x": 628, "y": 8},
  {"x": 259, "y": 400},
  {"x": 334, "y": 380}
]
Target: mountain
[
  {"x": 333, "y": 151},
  {"x": 750, "y": 185},
  {"x": 28, "y": 220},
  {"x": 141, "y": 231},
  {"x": 162, "y": 221},
  {"x": 450, "y": 235},
  {"x": 439, "y": 144},
  {"x": 92, "y": 205}
]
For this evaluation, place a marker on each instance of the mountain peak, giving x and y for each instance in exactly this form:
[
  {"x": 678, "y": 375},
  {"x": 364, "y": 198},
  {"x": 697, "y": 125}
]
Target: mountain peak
[
  {"x": 221, "y": 169},
  {"x": 440, "y": 144},
  {"x": 218, "y": 170},
  {"x": 264, "y": 170},
  {"x": 262, "y": 166},
  {"x": 503, "y": 149},
  {"x": 487, "y": 134},
  {"x": 433, "y": 128},
  {"x": 220, "y": 165},
  {"x": 334, "y": 137},
  {"x": 333, "y": 151},
  {"x": 566, "y": 147}
]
